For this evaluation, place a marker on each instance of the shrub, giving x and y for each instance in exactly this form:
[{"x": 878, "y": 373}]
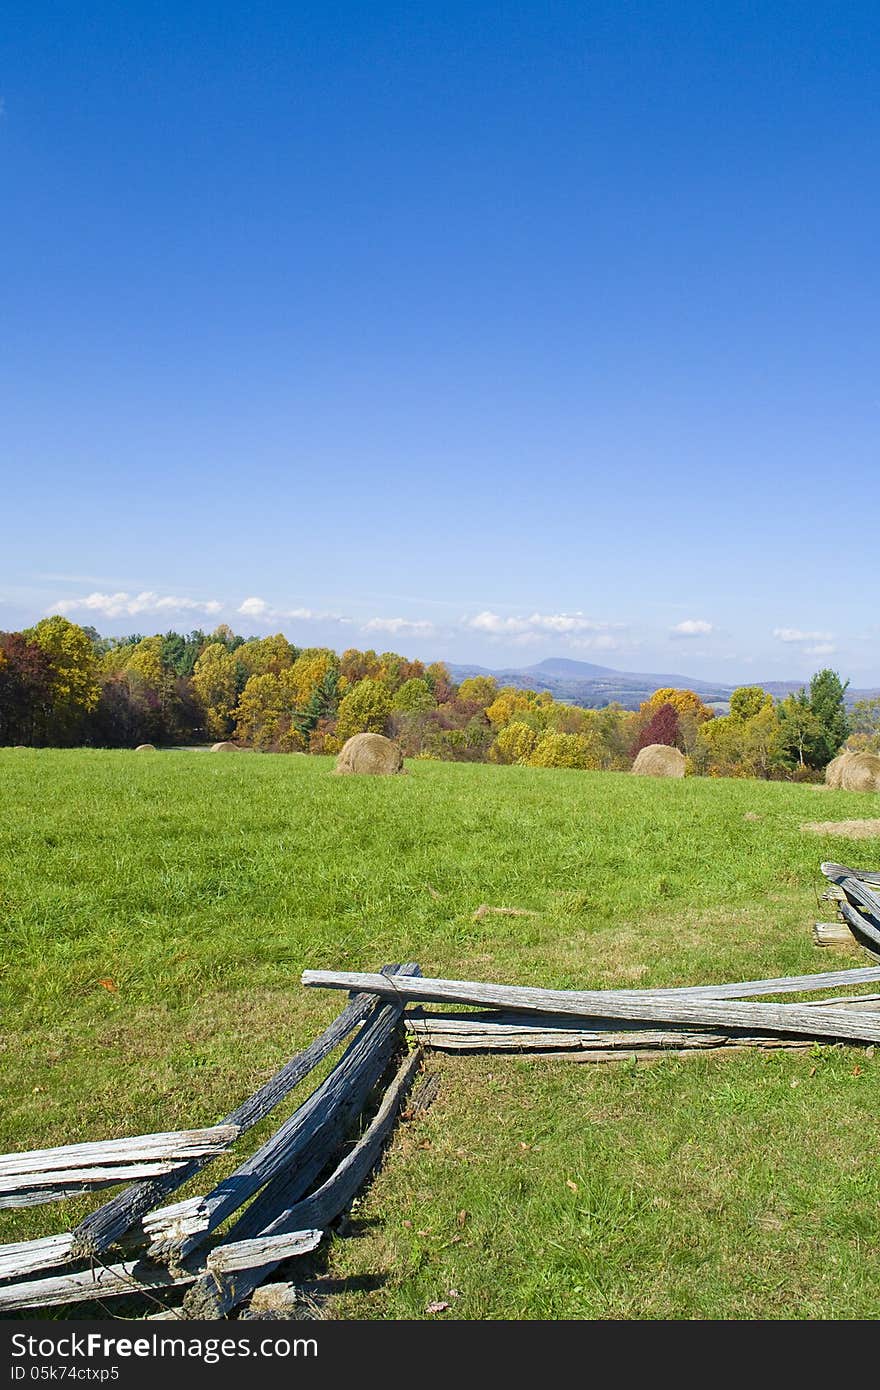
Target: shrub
[
  {"x": 515, "y": 743},
  {"x": 564, "y": 750}
]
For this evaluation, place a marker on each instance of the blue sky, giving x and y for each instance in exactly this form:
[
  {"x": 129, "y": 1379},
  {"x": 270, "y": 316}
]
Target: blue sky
[{"x": 483, "y": 332}]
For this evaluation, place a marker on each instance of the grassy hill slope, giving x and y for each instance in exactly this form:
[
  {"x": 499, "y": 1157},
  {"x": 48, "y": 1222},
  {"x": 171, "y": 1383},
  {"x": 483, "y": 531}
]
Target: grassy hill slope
[{"x": 156, "y": 913}]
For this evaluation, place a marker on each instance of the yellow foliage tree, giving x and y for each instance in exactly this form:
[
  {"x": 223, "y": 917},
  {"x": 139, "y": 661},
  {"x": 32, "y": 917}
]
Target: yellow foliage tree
[
  {"x": 567, "y": 719},
  {"x": 264, "y": 715},
  {"x": 259, "y": 712},
  {"x": 516, "y": 742},
  {"x": 733, "y": 746},
  {"x": 478, "y": 690},
  {"x": 307, "y": 673},
  {"x": 75, "y": 689},
  {"x": 566, "y": 750},
  {"x": 144, "y": 660},
  {"x": 215, "y": 682},
  {"x": 686, "y": 703},
  {"x": 510, "y": 702},
  {"x": 363, "y": 710},
  {"x": 266, "y": 655}
]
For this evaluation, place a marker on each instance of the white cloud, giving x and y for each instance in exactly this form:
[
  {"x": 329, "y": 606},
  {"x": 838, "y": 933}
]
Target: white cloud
[
  {"x": 821, "y": 649},
  {"x": 692, "y": 627},
  {"x": 261, "y": 611},
  {"x": 563, "y": 624},
  {"x": 794, "y": 634},
  {"x": 253, "y": 608},
  {"x": 123, "y": 604},
  {"x": 396, "y": 626}
]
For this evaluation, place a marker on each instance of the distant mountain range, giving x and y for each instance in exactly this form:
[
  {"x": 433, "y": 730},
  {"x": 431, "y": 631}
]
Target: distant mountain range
[{"x": 583, "y": 683}]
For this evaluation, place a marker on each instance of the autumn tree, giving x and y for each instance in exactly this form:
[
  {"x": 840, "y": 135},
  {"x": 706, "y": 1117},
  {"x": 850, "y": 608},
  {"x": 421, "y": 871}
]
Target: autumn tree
[
  {"x": 554, "y": 749},
  {"x": 478, "y": 690},
  {"x": 616, "y": 727},
  {"x": 266, "y": 655},
  {"x": 510, "y": 703},
  {"x": 515, "y": 743},
  {"x": 391, "y": 667},
  {"x": 262, "y": 714},
  {"x": 25, "y": 689},
  {"x": 662, "y": 727},
  {"x": 439, "y": 679},
  {"x": 356, "y": 666},
  {"x": 216, "y": 683},
  {"x": 690, "y": 711},
  {"x": 73, "y": 687},
  {"x": 411, "y": 670},
  {"x": 747, "y": 701},
  {"x": 684, "y": 702},
  {"x": 308, "y": 671},
  {"x": 413, "y": 697},
  {"x": 743, "y": 743},
  {"x": 363, "y": 710}
]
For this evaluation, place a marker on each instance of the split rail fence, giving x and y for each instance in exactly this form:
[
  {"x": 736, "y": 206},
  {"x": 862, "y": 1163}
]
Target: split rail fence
[{"x": 279, "y": 1201}]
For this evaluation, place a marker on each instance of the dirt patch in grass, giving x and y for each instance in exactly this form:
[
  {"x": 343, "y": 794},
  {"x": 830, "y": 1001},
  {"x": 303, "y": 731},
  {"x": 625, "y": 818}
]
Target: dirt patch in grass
[{"x": 848, "y": 829}]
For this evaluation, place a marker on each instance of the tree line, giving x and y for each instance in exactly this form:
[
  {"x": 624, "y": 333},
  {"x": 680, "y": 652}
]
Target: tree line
[{"x": 65, "y": 685}]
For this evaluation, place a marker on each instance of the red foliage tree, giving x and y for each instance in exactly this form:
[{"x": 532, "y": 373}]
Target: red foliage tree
[
  {"x": 662, "y": 727},
  {"x": 25, "y": 689}
]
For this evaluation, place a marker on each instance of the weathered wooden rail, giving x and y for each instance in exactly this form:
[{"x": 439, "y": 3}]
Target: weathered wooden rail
[
  {"x": 48, "y": 1175},
  {"x": 827, "y": 1023},
  {"x": 283, "y": 1197},
  {"x": 305, "y": 1170}
]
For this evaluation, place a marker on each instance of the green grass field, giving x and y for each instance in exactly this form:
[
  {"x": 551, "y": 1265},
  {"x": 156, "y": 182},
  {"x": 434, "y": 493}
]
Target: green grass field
[{"x": 199, "y": 887}]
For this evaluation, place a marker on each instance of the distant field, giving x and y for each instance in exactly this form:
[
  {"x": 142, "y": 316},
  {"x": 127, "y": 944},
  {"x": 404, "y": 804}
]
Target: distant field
[{"x": 197, "y": 887}]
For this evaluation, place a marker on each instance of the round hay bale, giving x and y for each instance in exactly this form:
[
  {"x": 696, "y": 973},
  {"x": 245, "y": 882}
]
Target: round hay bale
[
  {"x": 659, "y": 760},
  {"x": 834, "y": 770},
  {"x": 373, "y": 754},
  {"x": 224, "y": 747},
  {"x": 861, "y": 773},
  {"x": 145, "y": 748}
]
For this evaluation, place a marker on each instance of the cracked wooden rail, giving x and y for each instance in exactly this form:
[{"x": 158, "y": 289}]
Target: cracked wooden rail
[
  {"x": 303, "y": 1168},
  {"x": 857, "y": 894},
  {"x": 48, "y": 1175},
  {"x": 825, "y": 1023},
  {"x": 108, "y": 1224}
]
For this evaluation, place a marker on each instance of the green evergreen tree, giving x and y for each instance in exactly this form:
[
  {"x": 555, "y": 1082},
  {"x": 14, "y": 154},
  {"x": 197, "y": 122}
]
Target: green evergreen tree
[
  {"x": 321, "y": 704},
  {"x": 826, "y": 702}
]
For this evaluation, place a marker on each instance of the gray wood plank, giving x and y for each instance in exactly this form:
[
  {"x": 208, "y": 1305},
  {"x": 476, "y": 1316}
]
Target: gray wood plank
[
  {"x": 174, "y": 1146},
  {"x": 838, "y": 871},
  {"x": 313, "y": 1127},
  {"x": 237, "y": 1255},
  {"x": 833, "y": 934},
  {"x": 825, "y": 1022},
  {"x": 211, "y": 1297},
  {"x": 864, "y": 930},
  {"x": 28, "y": 1256},
  {"x": 109, "y": 1223},
  {"x": 104, "y": 1281}
]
